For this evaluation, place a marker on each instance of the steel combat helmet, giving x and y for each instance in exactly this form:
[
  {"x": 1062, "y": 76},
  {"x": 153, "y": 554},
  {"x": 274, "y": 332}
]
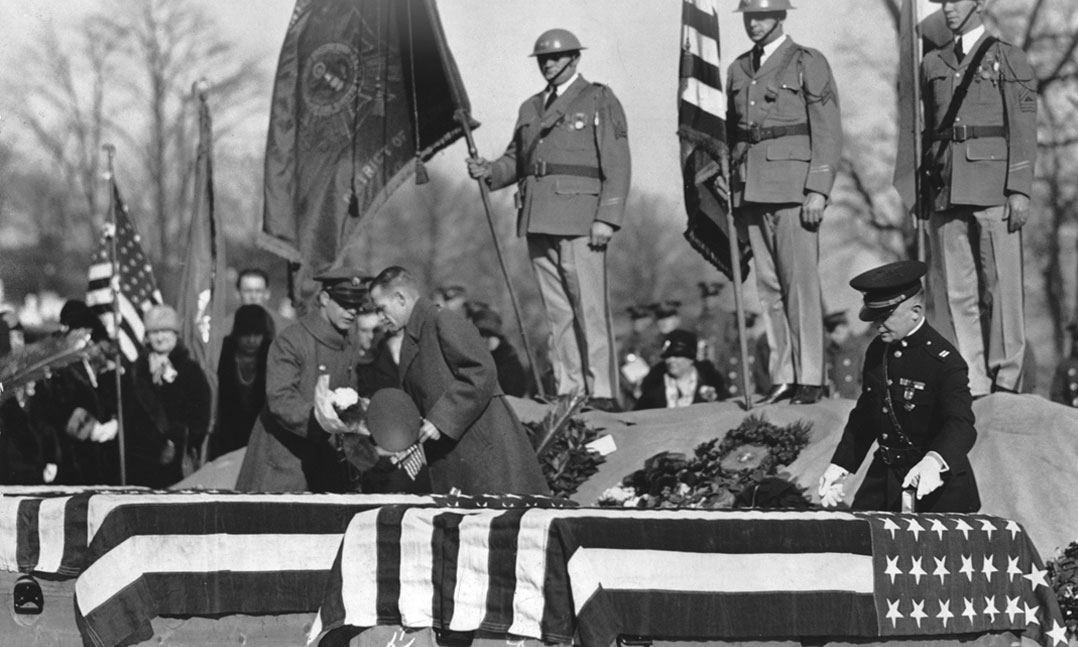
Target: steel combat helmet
[
  {"x": 763, "y": 6},
  {"x": 554, "y": 41}
]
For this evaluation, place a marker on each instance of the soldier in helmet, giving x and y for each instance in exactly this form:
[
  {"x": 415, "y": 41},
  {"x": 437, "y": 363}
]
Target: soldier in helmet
[
  {"x": 569, "y": 158},
  {"x": 784, "y": 123},
  {"x": 980, "y": 107}
]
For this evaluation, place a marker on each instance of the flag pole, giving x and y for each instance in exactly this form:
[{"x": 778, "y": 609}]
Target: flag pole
[
  {"x": 114, "y": 285},
  {"x": 739, "y": 295},
  {"x": 484, "y": 192},
  {"x": 918, "y": 199}
]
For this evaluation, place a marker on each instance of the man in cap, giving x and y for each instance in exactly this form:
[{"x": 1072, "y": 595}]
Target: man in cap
[
  {"x": 680, "y": 379},
  {"x": 844, "y": 353},
  {"x": 473, "y": 439},
  {"x": 299, "y": 443},
  {"x": 915, "y": 402},
  {"x": 569, "y": 158},
  {"x": 785, "y": 126},
  {"x": 980, "y": 107}
]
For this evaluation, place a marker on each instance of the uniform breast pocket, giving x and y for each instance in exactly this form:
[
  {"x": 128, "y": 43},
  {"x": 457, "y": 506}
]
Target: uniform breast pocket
[
  {"x": 792, "y": 150},
  {"x": 986, "y": 150},
  {"x": 572, "y": 186}
]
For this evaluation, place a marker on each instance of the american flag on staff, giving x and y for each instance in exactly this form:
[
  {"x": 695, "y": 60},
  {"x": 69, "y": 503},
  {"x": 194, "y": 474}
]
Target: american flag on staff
[
  {"x": 702, "y": 131},
  {"x": 587, "y": 576},
  {"x": 135, "y": 284}
]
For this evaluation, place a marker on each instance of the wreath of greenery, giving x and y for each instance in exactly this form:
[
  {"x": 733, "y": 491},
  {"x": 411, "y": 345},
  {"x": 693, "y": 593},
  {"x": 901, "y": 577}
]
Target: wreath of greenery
[
  {"x": 739, "y": 470},
  {"x": 1063, "y": 576}
]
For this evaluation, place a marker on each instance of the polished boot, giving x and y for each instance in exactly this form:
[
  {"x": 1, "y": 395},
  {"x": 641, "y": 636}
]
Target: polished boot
[
  {"x": 807, "y": 394},
  {"x": 778, "y": 392}
]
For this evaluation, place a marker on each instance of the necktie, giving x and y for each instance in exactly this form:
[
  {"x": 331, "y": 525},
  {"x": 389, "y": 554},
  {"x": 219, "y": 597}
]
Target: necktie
[
  {"x": 551, "y": 97},
  {"x": 757, "y": 57},
  {"x": 959, "y": 52}
]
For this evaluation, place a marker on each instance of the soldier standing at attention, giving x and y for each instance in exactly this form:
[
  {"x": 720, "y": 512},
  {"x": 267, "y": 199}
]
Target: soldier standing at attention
[
  {"x": 915, "y": 402},
  {"x": 569, "y": 157},
  {"x": 980, "y": 107},
  {"x": 786, "y": 130}
]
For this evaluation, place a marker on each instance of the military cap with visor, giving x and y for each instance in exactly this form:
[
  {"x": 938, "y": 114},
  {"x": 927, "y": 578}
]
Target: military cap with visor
[
  {"x": 887, "y": 286},
  {"x": 679, "y": 343},
  {"x": 556, "y": 41},
  {"x": 346, "y": 286},
  {"x": 763, "y": 6}
]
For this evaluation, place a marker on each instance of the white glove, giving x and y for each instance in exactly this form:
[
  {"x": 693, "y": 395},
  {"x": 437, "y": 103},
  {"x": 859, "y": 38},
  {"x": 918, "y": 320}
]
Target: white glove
[
  {"x": 831, "y": 485},
  {"x": 925, "y": 476},
  {"x": 324, "y": 413},
  {"x": 49, "y": 473},
  {"x": 103, "y": 432}
]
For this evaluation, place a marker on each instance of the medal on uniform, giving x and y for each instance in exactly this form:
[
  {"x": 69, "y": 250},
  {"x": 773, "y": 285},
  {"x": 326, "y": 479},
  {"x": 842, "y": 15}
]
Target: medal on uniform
[
  {"x": 910, "y": 387},
  {"x": 579, "y": 120}
]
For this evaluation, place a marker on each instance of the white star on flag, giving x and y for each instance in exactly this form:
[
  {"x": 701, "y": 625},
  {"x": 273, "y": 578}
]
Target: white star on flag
[
  {"x": 1014, "y": 528},
  {"x": 890, "y": 526},
  {"x": 989, "y": 568},
  {"x": 916, "y": 571},
  {"x": 1036, "y": 578},
  {"x": 990, "y": 607},
  {"x": 915, "y": 528},
  {"x": 892, "y": 568},
  {"x": 1058, "y": 633},
  {"x": 893, "y": 614},
  {"x": 939, "y": 528},
  {"x": 945, "y": 612},
  {"x": 960, "y": 524},
  {"x": 1012, "y": 608},
  {"x": 988, "y": 527},
  {"x": 967, "y": 567},
  {"x": 1031, "y": 614},
  {"x": 941, "y": 569},
  {"x": 918, "y": 612},
  {"x": 969, "y": 611},
  {"x": 1012, "y": 567}
]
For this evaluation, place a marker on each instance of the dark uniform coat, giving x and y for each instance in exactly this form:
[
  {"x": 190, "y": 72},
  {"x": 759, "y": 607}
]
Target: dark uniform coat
[
  {"x": 585, "y": 132},
  {"x": 930, "y": 393},
  {"x": 288, "y": 451},
  {"x": 844, "y": 366},
  {"x": 980, "y": 171},
  {"x": 653, "y": 388},
  {"x": 447, "y": 369},
  {"x": 1065, "y": 382}
]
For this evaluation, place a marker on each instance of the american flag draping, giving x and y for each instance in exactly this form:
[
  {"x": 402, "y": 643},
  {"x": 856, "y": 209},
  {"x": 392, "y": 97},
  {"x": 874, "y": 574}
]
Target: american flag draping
[
  {"x": 136, "y": 285},
  {"x": 587, "y": 576}
]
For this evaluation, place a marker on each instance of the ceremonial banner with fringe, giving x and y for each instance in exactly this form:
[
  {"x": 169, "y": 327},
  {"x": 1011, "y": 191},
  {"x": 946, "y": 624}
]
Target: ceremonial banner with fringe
[
  {"x": 366, "y": 90},
  {"x": 702, "y": 131}
]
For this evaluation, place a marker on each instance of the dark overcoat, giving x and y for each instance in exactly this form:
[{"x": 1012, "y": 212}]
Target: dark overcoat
[
  {"x": 929, "y": 390},
  {"x": 446, "y": 368},
  {"x": 288, "y": 450},
  {"x": 653, "y": 388}
]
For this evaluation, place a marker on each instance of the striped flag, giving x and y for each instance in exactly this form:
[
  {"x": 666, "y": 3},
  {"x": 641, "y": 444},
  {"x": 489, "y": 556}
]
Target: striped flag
[
  {"x": 135, "y": 282},
  {"x": 588, "y": 576},
  {"x": 702, "y": 131}
]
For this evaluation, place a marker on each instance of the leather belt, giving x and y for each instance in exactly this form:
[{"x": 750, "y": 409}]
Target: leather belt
[
  {"x": 542, "y": 168},
  {"x": 961, "y": 133},
  {"x": 900, "y": 456},
  {"x": 756, "y": 134}
]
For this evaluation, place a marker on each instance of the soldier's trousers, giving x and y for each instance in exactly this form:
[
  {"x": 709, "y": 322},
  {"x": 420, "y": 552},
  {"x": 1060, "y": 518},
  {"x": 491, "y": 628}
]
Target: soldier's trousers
[
  {"x": 787, "y": 257},
  {"x": 572, "y": 284},
  {"x": 975, "y": 293}
]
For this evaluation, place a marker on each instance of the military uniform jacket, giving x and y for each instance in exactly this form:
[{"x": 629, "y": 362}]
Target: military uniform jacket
[
  {"x": 783, "y": 94},
  {"x": 929, "y": 387},
  {"x": 844, "y": 366},
  {"x": 1065, "y": 382},
  {"x": 584, "y": 132},
  {"x": 980, "y": 171}
]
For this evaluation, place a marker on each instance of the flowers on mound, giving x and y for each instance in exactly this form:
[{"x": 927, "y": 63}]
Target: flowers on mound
[{"x": 739, "y": 470}]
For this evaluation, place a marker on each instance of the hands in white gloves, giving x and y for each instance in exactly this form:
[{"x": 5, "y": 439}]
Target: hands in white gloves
[
  {"x": 324, "y": 413},
  {"x": 831, "y": 485},
  {"x": 925, "y": 476}
]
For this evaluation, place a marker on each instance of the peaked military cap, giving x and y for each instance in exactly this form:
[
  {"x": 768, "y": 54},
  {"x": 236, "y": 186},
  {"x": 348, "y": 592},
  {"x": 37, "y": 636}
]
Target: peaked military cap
[
  {"x": 668, "y": 308},
  {"x": 346, "y": 286},
  {"x": 887, "y": 286},
  {"x": 640, "y": 312},
  {"x": 835, "y": 319},
  {"x": 679, "y": 343}
]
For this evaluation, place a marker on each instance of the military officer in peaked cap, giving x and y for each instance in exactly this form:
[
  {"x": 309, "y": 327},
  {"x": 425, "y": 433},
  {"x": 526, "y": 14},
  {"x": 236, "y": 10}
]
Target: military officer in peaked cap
[
  {"x": 784, "y": 122},
  {"x": 569, "y": 158},
  {"x": 980, "y": 106},
  {"x": 299, "y": 442},
  {"x": 915, "y": 403}
]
